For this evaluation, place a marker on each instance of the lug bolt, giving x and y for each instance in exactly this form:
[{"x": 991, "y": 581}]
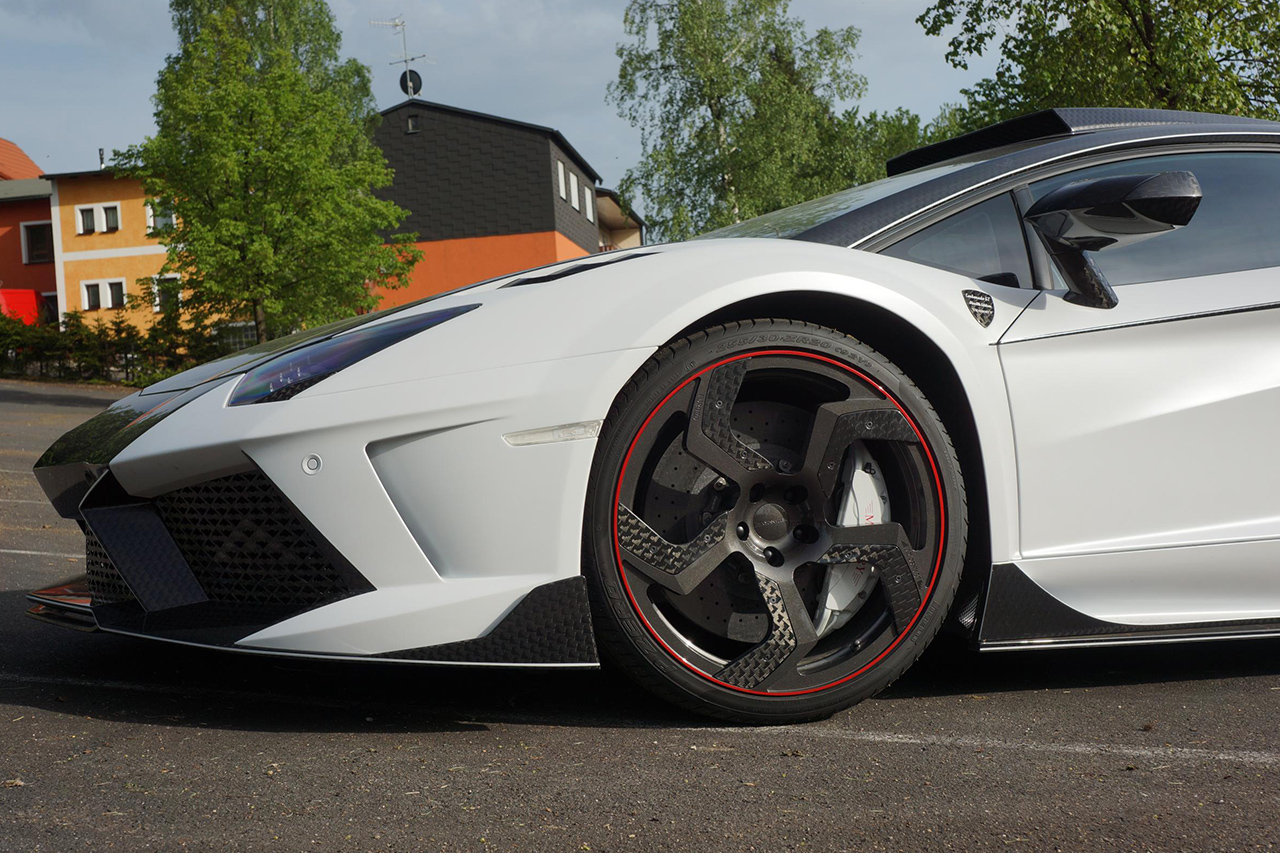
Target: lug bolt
[
  {"x": 805, "y": 533},
  {"x": 774, "y": 556},
  {"x": 757, "y": 492},
  {"x": 795, "y": 495},
  {"x": 719, "y": 484},
  {"x": 742, "y": 530}
]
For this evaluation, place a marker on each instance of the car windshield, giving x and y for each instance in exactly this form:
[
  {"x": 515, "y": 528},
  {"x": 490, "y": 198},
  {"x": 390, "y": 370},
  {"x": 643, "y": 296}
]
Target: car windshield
[{"x": 791, "y": 221}]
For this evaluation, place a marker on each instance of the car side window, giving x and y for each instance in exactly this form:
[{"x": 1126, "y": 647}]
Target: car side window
[
  {"x": 1232, "y": 230},
  {"x": 984, "y": 241}
]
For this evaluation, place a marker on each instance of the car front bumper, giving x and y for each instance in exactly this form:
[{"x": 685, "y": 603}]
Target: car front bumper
[{"x": 418, "y": 529}]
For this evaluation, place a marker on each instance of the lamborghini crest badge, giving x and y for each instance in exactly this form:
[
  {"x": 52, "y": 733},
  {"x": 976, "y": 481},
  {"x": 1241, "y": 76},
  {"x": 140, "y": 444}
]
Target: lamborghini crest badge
[{"x": 981, "y": 306}]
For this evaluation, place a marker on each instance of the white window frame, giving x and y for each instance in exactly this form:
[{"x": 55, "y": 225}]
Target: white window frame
[
  {"x": 151, "y": 219},
  {"x": 119, "y": 219},
  {"x": 238, "y": 324},
  {"x": 100, "y": 217},
  {"x": 84, "y": 295},
  {"x": 22, "y": 235},
  {"x": 564, "y": 193},
  {"x": 575, "y": 195},
  {"x": 124, "y": 292},
  {"x": 155, "y": 290},
  {"x": 588, "y": 206},
  {"x": 80, "y": 218},
  {"x": 104, "y": 293}
]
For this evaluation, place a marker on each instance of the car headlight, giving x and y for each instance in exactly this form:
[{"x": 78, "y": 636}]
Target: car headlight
[{"x": 297, "y": 370}]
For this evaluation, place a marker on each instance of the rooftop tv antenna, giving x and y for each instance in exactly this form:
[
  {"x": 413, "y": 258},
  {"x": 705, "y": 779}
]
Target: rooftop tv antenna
[{"x": 410, "y": 80}]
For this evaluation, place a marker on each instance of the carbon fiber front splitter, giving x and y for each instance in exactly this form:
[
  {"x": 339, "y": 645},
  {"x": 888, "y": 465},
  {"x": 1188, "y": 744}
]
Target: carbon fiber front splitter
[{"x": 551, "y": 626}]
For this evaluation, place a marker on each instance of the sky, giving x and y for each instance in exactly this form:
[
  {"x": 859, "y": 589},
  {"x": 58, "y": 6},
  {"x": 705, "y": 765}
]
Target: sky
[{"x": 78, "y": 75}]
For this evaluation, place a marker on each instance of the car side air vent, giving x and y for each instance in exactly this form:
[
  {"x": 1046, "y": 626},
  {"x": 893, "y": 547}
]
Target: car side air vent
[{"x": 574, "y": 270}]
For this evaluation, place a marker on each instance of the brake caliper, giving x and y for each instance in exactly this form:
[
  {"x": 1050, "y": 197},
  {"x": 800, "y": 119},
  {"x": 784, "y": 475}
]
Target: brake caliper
[{"x": 866, "y": 501}]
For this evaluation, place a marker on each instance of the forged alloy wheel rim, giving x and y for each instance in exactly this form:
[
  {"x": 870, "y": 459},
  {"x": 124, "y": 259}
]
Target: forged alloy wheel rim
[{"x": 723, "y": 522}]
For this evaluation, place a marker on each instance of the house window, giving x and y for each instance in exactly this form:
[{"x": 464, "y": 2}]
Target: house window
[
  {"x": 167, "y": 293},
  {"x": 111, "y": 218},
  {"x": 414, "y": 124},
  {"x": 587, "y": 206},
  {"x": 95, "y": 295},
  {"x": 573, "y": 189},
  {"x": 49, "y": 307},
  {"x": 87, "y": 220},
  {"x": 236, "y": 336},
  {"x": 37, "y": 242},
  {"x": 159, "y": 218},
  {"x": 564, "y": 193}
]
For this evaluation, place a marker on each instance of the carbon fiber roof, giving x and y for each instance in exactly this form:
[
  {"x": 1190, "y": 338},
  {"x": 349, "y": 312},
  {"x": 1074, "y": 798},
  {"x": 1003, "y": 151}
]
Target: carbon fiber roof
[
  {"x": 1056, "y": 122},
  {"x": 1088, "y": 131}
]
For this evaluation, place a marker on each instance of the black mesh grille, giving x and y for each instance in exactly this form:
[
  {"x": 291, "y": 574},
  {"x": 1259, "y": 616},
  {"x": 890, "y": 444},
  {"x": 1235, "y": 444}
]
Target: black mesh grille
[
  {"x": 105, "y": 584},
  {"x": 246, "y": 545}
]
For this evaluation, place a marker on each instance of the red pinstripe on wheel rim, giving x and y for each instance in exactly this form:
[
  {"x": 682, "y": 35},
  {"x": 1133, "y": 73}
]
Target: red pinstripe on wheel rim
[{"x": 942, "y": 521}]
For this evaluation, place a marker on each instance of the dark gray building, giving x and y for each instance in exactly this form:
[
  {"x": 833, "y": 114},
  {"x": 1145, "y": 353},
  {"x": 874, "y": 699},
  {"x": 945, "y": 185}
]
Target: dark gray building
[{"x": 486, "y": 195}]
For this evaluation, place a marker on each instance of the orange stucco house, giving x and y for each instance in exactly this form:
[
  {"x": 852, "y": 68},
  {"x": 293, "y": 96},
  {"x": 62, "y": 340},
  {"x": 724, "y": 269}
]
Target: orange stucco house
[{"x": 102, "y": 245}]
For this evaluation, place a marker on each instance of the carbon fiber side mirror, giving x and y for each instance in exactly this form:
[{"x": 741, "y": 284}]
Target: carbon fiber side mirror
[{"x": 1090, "y": 216}]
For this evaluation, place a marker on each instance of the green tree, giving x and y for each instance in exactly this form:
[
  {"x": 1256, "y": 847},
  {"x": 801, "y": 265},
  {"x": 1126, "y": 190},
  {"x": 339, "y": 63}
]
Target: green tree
[
  {"x": 861, "y": 145},
  {"x": 263, "y": 151},
  {"x": 1212, "y": 55},
  {"x": 735, "y": 102}
]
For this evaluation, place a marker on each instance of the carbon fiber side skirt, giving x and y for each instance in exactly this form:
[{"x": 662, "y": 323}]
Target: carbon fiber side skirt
[{"x": 1020, "y": 614}]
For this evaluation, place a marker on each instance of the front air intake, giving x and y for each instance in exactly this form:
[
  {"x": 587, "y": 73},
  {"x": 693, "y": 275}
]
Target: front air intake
[
  {"x": 246, "y": 544},
  {"x": 106, "y": 586}
]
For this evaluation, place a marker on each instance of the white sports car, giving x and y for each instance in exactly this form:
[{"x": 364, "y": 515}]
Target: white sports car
[{"x": 1030, "y": 380}]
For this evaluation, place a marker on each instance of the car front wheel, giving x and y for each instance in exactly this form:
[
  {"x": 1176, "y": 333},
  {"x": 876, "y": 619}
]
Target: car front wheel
[{"x": 776, "y": 523}]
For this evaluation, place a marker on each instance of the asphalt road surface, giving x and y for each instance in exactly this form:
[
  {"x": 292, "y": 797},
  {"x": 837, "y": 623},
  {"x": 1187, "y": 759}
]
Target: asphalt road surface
[{"x": 109, "y": 743}]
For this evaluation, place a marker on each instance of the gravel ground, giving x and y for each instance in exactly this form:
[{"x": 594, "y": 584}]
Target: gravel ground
[{"x": 111, "y": 743}]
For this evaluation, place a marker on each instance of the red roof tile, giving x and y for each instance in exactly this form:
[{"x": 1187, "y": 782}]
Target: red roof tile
[{"x": 14, "y": 164}]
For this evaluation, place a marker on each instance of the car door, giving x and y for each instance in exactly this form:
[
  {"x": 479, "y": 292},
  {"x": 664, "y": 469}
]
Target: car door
[{"x": 1147, "y": 435}]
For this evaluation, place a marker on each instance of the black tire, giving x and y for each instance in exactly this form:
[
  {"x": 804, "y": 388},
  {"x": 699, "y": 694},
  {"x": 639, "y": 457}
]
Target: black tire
[{"x": 705, "y": 539}]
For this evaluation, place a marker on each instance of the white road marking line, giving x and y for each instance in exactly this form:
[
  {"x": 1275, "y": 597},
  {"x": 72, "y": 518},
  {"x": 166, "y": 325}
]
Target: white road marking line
[
  {"x": 12, "y": 471},
  {"x": 1177, "y": 753},
  {"x": 21, "y": 501},
  {"x": 37, "y": 553}
]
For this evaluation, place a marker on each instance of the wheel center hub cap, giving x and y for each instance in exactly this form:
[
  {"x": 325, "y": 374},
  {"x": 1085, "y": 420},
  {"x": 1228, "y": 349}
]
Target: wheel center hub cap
[{"x": 770, "y": 522}]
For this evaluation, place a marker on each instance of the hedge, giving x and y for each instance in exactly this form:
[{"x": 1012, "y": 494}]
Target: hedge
[{"x": 114, "y": 351}]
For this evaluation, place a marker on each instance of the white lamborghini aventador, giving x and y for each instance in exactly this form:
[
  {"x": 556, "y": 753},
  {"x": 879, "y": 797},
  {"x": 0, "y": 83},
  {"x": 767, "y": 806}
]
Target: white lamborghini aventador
[{"x": 1030, "y": 380}]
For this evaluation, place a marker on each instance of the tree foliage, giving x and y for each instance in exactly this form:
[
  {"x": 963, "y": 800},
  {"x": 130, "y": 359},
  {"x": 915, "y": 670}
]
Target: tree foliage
[
  {"x": 263, "y": 151},
  {"x": 862, "y": 145},
  {"x": 735, "y": 102},
  {"x": 1217, "y": 56}
]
